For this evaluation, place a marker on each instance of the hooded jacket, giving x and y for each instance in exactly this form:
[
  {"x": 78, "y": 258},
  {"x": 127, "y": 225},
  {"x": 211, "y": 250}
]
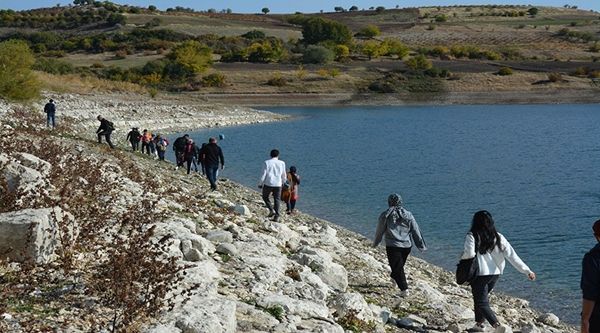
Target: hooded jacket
[{"x": 398, "y": 226}]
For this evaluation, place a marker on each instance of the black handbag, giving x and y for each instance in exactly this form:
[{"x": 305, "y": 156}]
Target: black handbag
[{"x": 467, "y": 269}]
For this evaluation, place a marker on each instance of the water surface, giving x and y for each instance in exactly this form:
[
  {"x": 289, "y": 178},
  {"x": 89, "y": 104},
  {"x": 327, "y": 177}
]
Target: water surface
[{"x": 535, "y": 168}]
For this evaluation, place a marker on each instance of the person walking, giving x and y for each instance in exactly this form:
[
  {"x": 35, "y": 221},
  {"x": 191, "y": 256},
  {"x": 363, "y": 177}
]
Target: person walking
[
  {"x": 200, "y": 159},
  {"x": 189, "y": 153},
  {"x": 50, "y": 110},
  {"x": 272, "y": 179},
  {"x": 491, "y": 250},
  {"x": 161, "y": 146},
  {"x": 590, "y": 286},
  {"x": 401, "y": 230},
  {"x": 146, "y": 138},
  {"x": 212, "y": 155},
  {"x": 106, "y": 128},
  {"x": 134, "y": 138},
  {"x": 289, "y": 193},
  {"x": 179, "y": 148}
]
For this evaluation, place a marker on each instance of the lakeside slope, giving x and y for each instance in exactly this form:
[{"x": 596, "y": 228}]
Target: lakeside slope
[{"x": 250, "y": 274}]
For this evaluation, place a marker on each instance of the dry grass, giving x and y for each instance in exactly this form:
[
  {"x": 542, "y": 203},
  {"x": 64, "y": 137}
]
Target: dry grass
[{"x": 73, "y": 83}]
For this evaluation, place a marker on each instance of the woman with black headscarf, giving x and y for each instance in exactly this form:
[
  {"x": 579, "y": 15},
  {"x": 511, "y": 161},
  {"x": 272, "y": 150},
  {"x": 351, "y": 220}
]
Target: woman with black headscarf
[{"x": 400, "y": 230}]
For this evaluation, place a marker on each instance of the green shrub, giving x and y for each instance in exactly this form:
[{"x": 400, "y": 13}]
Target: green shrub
[
  {"x": 214, "y": 80},
  {"x": 394, "y": 47},
  {"x": 441, "y": 18},
  {"x": 373, "y": 49},
  {"x": 316, "y": 54},
  {"x": 418, "y": 63},
  {"x": 437, "y": 72},
  {"x": 53, "y": 66},
  {"x": 505, "y": 71},
  {"x": 276, "y": 311},
  {"x": 533, "y": 11},
  {"x": 595, "y": 47},
  {"x": 580, "y": 71},
  {"x": 189, "y": 58},
  {"x": 351, "y": 322},
  {"x": 342, "y": 52},
  {"x": 370, "y": 31},
  {"x": 17, "y": 80},
  {"x": 318, "y": 29},
  {"x": 254, "y": 34}
]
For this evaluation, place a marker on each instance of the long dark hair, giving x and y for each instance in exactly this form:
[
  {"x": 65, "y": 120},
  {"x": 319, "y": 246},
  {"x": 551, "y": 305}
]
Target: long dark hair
[{"x": 484, "y": 231}]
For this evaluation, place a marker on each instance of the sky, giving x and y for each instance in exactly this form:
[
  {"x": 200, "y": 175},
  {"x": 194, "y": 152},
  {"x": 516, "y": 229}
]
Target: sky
[{"x": 306, "y": 6}]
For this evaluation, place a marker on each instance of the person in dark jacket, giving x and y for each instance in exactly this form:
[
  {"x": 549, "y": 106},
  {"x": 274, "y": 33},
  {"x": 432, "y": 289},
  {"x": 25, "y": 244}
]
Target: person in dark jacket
[
  {"x": 590, "y": 286},
  {"x": 161, "y": 146},
  {"x": 134, "y": 138},
  {"x": 212, "y": 155},
  {"x": 401, "y": 230},
  {"x": 179, "y": 148},
  {"x": 50, "y": 110},
  {"x": 200, "y": 159},
  {"x": 105, "y": 129},
  {"x": 189, "y": 152}
]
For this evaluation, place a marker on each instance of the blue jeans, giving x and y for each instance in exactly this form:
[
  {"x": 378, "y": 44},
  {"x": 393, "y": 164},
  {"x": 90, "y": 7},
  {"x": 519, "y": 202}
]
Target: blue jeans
[
  {"x": 50, "y": 118},
  {"x": 211, "y": 174}
]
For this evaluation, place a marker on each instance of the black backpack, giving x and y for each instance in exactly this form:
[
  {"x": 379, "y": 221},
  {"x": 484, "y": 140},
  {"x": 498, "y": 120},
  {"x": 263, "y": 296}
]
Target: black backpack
[{"x": 110, "y": 125}]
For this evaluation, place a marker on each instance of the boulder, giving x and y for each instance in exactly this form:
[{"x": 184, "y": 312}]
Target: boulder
[
  {"x": 345, "y": 302},
  {"x": 33, "y": 234},
  {"x": 219, "y": 236},
  {"x": 301, "y": 308},
  {"x": 202, "y": 315},
  {"x": 189, "y": 252},
  {"x": 242, "y": 210},
  {"x": 320, "y": 261},
  {"x": 227, "y": 248},
  {"x": 34, "y": 162},
  {"x": 549, "y": 319}
]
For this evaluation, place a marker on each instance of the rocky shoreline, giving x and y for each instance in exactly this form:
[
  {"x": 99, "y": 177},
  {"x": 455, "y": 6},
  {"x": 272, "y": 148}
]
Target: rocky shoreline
[{"x": 248, "y": 274}]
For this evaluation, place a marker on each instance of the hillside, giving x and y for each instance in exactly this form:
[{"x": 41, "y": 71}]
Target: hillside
[{"x": 257, "y": 55}]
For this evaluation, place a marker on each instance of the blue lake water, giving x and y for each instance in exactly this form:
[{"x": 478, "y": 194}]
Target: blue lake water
[{"x": 536, "y": 168}]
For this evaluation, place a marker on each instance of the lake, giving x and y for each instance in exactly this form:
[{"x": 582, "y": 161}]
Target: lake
[{"x": 534, "y": 167}]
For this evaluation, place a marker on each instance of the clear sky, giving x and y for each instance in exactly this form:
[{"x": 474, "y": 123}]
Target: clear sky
[{"x": 279, "y": 6}]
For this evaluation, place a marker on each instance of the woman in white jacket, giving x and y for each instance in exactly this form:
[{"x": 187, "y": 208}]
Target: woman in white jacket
[{"x": 492, "y": 250}]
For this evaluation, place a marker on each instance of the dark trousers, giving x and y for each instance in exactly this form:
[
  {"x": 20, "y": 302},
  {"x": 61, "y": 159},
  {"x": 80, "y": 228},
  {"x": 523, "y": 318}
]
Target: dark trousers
[
  {"x": 203, "y": 167},
  {"x": 266, "y": 192},
  {"x": 481, "y": 287},
  {"x": 189, "y": 162},
  {"x": 161, "y": 155},
  {"x": 291, "y": 204},
  {"x": 106, "y": 135},
  {"x": 134, "y": 145},
  {"x": 211, "y": 174},
  {"x": 145, "y": 147},
  {"x": 397, "y": 258},
  {"x": 50, "y": 119},
  {"x": 180, "y": 158}
]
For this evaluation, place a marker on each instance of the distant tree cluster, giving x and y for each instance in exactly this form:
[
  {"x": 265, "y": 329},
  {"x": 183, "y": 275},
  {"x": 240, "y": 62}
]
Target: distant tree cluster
[{"x": 63, "y": 18}]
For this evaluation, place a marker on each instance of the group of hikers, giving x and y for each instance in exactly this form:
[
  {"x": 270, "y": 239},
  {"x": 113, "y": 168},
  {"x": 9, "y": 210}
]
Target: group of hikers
[
  {"x": 490, "y": 249},
  {"x": 396, "y": 226}
]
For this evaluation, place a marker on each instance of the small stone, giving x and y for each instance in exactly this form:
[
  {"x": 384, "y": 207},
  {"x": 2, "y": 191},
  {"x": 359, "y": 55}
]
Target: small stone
[
  {"x": 549, "y": 319},
  {"x": 227, "y": 248},
  {"x": 7, "y": 316},
  {"x": 242, "y": 210},
  {"x": 220, "y": 236},
  {"x": 417, "y": 319},
  {"x": 530, "y": 328}
]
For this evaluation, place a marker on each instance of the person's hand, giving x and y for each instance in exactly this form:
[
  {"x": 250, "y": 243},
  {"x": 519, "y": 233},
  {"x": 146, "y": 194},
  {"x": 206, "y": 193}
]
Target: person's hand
[{"x": 531, "y": 276}]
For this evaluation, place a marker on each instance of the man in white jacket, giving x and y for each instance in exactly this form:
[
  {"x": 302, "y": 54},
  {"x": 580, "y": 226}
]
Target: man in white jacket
[{"x": 272, "y": 179}]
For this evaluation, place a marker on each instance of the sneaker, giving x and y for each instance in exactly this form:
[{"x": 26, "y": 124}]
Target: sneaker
[
  {"x": 404, "y": 293},
  {"x": 271, "y": 214},
  {"x": 176, "y": 168},
  {"x": 276, "y": 218},
  {"x": 477, "y": 328},
  {"x": 503, "y": 329}
]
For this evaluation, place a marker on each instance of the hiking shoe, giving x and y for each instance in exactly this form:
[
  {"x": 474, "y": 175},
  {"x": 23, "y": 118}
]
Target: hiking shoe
[
  {"x": 503, "y": 329},
  {"x": 276, "y": 218},
  {"x": 477, "y": 328},
  {"x": 404, "y": 293},
  {"x": 271, "y": 214}
]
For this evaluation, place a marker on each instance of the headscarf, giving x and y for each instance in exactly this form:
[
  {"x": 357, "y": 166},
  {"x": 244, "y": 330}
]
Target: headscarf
[{"x": 395, "y": 208}]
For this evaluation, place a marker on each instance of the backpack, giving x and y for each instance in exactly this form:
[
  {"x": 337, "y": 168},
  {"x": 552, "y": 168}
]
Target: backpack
[
  {"x": 111, "y": 126},
  {"x": 162, "y": 145}
]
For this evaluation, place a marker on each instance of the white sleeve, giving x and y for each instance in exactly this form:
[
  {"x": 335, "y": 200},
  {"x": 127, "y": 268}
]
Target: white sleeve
[
  {"x": 284, "y": 173},
  {"x": 511, "y": 255},
  {"x": 261, "y": 181},
  {"x": 469, "y": 247}
]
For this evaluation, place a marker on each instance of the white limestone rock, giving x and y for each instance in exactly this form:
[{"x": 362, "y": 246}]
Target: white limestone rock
[
  {"x": 549, "y": 319},
  {"x": 219, "y": 236},
  {"x": 345, "y": 302},
  {"x": 227, "y": 248},
  {"x": 242, "y": 210},
  {"x": 320, "y": 261},
  {"x": 302, "y": 308},
  {"x": 33, "y": 234},
  {"x": 203, "y": 315}
]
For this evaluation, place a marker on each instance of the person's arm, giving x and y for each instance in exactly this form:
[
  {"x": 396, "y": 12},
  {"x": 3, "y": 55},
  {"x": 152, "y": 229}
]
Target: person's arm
[
  {"x": 416, "y": 234},
  {"x": 590, "y": 287},
  {"x": 511, "y": 255},
  {"x": 379, "y": 231},
  {"x": 261, "y": 181},
  {"x": 283, "y": 174},
  {"x": 297, "y": 179},
  {"x": 221, "y": 158},
  {"x": 469, "y": 247},
  {"x": 101, "y": 127},
  {"x": 587, "y": 306}
]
